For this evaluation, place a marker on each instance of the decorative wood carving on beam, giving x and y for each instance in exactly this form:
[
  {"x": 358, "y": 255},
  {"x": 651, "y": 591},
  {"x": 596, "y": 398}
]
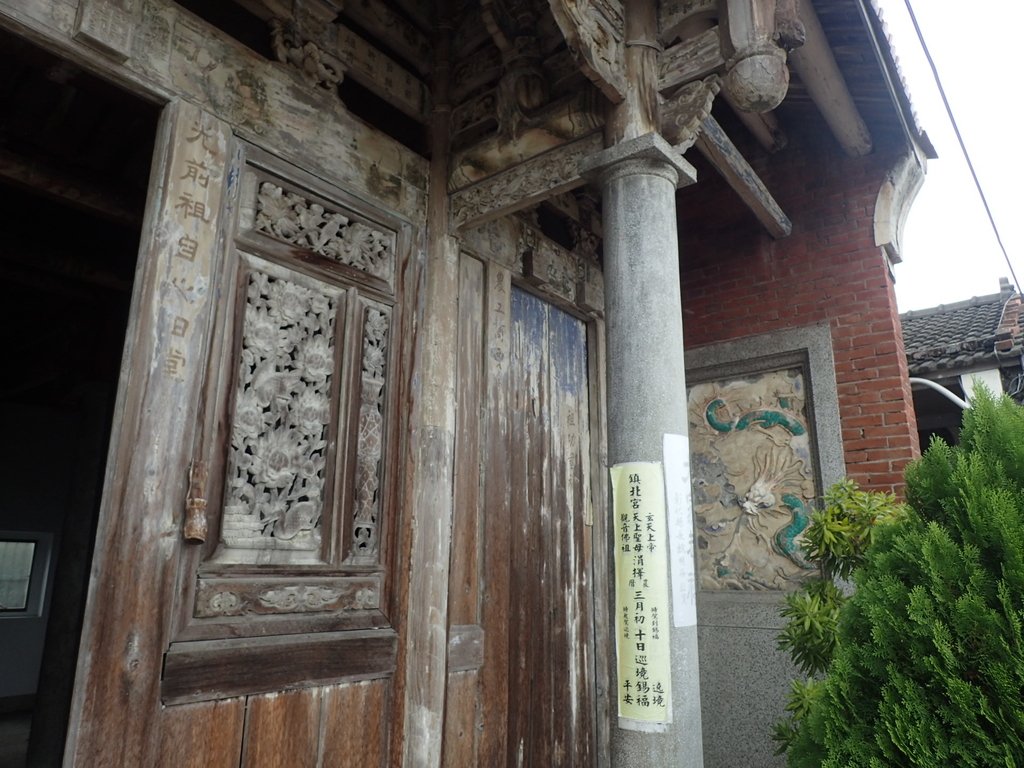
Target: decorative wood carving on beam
[
  {"x": 673, "y": 14},
  {"x": 523, "y": 88},
  {"x": 524, "y": 185},
  {"x": 756, "y": 76},
  {"x": 568, "y": 278},
  {"x": 715, "y": 145},
  {"x": 690, "y": 59},
  {"x": 306, "y": 34},
  {"x": 595, "y": 32},
  {"x": 566, "y": 120},
  {"x": 317, "y": 66},
  {"x": 683, "y": 114}
]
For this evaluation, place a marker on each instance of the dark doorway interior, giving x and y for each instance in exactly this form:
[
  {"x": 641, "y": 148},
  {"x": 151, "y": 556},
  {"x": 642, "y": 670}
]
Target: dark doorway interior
[{"x": 74, "y": 165}]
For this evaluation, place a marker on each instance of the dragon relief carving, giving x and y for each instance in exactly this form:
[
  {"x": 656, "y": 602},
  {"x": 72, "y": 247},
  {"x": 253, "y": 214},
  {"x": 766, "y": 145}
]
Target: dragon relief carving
[
  {"x": 294, "y": 219},
  {"x": 753, "y": 482}
]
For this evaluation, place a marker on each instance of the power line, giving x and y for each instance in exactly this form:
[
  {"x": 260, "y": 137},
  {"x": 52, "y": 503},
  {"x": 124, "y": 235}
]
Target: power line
[{"x": 960, "y": 140}]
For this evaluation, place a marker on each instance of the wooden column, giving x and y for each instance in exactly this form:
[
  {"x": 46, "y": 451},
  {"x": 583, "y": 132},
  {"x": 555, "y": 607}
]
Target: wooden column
[{"x": 433, "y": 438}]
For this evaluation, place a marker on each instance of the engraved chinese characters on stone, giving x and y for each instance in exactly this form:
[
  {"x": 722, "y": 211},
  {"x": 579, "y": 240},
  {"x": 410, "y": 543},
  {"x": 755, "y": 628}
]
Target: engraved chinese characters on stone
[
  {"x": 279, "y": 427},
  {"x": 753, "y": 480}
]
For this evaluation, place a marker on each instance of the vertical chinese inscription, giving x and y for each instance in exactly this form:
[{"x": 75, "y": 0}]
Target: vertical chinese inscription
[
  {"x": 641, "y": 595},
  {"x": 194, "y": 186}
]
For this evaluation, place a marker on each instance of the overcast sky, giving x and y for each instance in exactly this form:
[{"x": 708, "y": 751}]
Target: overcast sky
[{"x": 949, "y": 250}]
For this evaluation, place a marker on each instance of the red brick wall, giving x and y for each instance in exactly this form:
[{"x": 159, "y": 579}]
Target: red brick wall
[{"x": 737, "y": 281}]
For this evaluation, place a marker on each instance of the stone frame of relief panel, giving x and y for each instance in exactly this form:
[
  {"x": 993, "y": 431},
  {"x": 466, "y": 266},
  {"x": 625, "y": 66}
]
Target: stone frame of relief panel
[
  {"x": 300, "y": 432},
  {"x": 744, "y": 678},
  {"x": 790, "y": 466}
]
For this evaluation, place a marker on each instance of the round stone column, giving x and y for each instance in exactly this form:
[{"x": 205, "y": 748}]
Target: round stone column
[{"x": 647, "y": 387}]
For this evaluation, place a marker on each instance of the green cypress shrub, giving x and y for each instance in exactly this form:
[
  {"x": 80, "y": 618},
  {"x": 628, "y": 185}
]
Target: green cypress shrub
[
  {"x": 835, "y": 542},
  {"x": 928, "y": 668}
]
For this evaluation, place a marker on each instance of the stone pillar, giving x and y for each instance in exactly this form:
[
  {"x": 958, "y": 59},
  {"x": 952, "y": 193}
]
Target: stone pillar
[{"x": 646, "y": 384}]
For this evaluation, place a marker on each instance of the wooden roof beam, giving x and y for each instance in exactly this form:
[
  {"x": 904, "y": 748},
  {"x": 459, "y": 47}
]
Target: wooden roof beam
[
  {"x": 686, "y": 121},
  {"x": 764, "y": 126},
  {"x": 817, "y": 68},
  {"x": 714, "y": 144},
  {"x": 56, "y": 183}
]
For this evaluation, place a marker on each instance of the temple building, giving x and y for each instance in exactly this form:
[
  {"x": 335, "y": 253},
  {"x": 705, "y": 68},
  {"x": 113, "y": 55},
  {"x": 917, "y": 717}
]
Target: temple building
[{"x": 434, "y": 383}]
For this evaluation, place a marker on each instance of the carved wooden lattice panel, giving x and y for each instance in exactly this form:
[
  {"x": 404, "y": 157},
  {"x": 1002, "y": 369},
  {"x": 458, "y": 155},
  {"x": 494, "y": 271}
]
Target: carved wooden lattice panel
[
  {"x": 376, "y": 330},
  {"x": 280, "y": 424},
  {"x": 303, "y": 422}
]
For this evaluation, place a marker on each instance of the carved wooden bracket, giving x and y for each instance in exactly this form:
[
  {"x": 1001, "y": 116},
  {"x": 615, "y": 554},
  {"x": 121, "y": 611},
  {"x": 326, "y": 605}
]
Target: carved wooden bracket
[
  {"x": 683, "y": 114},
  {"x": 523, "y": 88},
  {"x": 594, "y": 31}
]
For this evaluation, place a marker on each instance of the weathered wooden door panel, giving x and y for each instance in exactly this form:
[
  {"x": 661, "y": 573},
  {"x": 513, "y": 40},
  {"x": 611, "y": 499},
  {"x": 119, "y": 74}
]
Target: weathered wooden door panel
[
  {"x": 522, "y": 527},
  {"x": 204, "y": 735},
  {"x": 264, "y": 321},
  {"x": 115, "y": 714},
  {"x": 552, "y": 708}
]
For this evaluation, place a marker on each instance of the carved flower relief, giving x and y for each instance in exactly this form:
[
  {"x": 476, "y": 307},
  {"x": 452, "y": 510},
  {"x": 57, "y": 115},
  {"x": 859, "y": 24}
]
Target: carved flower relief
[
  {"x": 375, "y": 343},
  {"x": 316, "y": 360},
  {"x": 294, "y": 219},
  {"x": 274, "y": 212},
  {"x": 281, "y": 416}
]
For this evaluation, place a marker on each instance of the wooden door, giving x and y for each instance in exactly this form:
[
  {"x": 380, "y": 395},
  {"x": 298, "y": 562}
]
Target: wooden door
[
  {"x": 522, "y": 554},
  {"x": 238, "y": 612}
]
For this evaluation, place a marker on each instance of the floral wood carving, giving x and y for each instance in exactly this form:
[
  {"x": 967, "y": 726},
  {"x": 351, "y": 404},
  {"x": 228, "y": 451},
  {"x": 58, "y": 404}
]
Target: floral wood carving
[
  {"x": 252, "y": 597},
  {"x": 279, "y": 432},
  {"x": 294, "y": 219},
  {"x": 365, "y": 529},
  {"x": 529, "y": 181}
]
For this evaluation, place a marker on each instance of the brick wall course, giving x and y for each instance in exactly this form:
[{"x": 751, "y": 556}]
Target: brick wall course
[{"x": 737, "y": 281}]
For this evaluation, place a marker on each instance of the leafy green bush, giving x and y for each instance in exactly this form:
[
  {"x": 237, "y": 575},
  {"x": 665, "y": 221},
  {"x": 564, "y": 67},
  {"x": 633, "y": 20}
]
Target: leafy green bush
[
  {"x": 928, "y": 669},
  {"x": 835, "y": 542}
]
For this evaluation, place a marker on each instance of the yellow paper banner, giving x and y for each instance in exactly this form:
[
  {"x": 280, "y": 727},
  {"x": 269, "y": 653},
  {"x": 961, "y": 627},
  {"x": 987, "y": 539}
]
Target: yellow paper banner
[{"x": 642, "y": 619}]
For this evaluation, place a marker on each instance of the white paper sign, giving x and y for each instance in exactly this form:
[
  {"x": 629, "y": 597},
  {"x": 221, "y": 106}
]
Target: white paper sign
[{"x": 680, "y": 530}]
